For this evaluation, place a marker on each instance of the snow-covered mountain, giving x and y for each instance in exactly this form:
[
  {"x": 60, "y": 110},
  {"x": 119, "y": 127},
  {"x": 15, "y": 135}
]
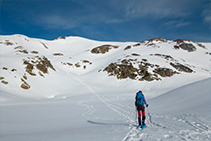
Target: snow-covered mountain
[
  {"x": 32, "y": 67},
  {"x": 74, "y": 88}
]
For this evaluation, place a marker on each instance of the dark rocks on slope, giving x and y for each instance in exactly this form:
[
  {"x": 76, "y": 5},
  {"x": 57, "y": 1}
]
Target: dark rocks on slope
[
  {"x": 188, "y": 47},
  {"x": 181, "y": 67}
]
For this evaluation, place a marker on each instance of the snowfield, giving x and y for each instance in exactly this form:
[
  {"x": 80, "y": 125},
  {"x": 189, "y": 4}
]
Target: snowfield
[{"x": 82, "y": 102}]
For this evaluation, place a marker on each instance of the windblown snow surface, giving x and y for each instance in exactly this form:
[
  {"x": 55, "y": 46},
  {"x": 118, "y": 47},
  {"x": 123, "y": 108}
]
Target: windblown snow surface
[{"x": 80, "y": 104}]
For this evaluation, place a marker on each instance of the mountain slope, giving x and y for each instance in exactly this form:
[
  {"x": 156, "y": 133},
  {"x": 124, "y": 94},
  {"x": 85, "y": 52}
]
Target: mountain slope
[
  {"x": 180, "y": 114},
  {"x": 98, "y": 115},
  {"x": 191, "y": 98},
  {"x": 86, "y": 89},
  {"x": 41, "y": 68}
]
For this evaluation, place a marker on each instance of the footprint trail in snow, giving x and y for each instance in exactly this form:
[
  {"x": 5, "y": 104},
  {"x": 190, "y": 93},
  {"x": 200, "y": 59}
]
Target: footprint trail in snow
[{"x": 159, "y": 127}]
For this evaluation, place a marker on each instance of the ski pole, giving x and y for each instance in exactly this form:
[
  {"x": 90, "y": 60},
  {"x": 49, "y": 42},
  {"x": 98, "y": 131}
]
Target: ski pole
[
  {"x": 148, "y": 110},
  {"x": 150, "y": 118}
]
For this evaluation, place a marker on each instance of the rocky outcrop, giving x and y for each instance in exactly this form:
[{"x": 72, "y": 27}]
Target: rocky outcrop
[
  {"x": 165, "y": 72},
  {"x": 25, "y": 85},
  {"x": 181, "y": 43},
  {"x": 102, "y": 49},
  {"x": 158, "y": 40},
  {"x": 188, "y": 47},
  {"x": 181, "y": 67},
  {"x": 167, "y": 57},
  {"x": 41, "y": 63},
  {"x": 58, "y": 54},
  {"x": 125, "y": 69}
]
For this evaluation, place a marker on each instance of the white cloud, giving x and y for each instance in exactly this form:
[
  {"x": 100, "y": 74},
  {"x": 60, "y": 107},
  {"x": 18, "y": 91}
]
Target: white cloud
[
  {"x": 72, "y": 19},
  {"x": 58, "y": 21},
  {"x": 176, "y": 23},
  {"x": 180, "y": 24},
  {"x": 157, "y": 9},
  {"x": 118, "y": 11},
  {"x": 207, "y": 14}
]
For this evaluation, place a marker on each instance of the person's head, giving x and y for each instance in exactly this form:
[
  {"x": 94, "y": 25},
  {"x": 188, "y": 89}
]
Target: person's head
[{"x": 141, "y": 92}]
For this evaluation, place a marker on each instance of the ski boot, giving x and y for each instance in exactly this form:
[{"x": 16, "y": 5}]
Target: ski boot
[{"x": 143, "y": 125}]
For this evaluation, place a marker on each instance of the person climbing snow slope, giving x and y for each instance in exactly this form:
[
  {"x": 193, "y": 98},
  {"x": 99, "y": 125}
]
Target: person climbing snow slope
[{"x": 140, "y": 101}]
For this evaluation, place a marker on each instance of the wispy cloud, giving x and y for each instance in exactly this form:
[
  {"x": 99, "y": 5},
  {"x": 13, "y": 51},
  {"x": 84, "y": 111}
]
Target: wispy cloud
[
  {"x": 108, "y": 19},
  {"x": 54, "y": 21},
  {"x": 86, "y": 14},
  {"x": 206, "y": 14},
  {"x": 176, "y": 23},
  {"x": 157, "y": 9},
  {"x": 113, "y": 12},
  {"x": 183, "y": 24}
]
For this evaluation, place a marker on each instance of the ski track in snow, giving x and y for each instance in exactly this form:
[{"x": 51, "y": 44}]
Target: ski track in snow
[
  {"x": 185, "y": 127},
  {"x": 101, "y": 108},
  {"x": 116, "y": 107},
  {"x": 159, "y": 127}
]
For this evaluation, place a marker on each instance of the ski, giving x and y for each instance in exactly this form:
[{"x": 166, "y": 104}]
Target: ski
[{"x": 143, "y": 126}]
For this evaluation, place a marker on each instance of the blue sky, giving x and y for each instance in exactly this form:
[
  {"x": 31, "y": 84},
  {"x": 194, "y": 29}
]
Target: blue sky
[{"x": 108, "y": 20}]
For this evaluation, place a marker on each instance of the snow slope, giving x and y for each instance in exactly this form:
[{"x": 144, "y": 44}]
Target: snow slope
[
  {"x": 100, "y": 116},
  {"x": 181, "y": 114},
  {"x": 192, "y": 98},
  {"x": 72, "y": 59},
  {"x": 84, "y": 103}
]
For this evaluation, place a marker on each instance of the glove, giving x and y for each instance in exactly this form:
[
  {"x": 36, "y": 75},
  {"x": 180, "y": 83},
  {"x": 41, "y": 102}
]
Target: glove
[{"x": 147, "y": 105}]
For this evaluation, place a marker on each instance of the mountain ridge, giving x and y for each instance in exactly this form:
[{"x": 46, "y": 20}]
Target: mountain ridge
[{"x": 28, "y": 62}]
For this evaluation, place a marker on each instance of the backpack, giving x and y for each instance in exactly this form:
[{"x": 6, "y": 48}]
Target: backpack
[{"x": 139, "y": 99}]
